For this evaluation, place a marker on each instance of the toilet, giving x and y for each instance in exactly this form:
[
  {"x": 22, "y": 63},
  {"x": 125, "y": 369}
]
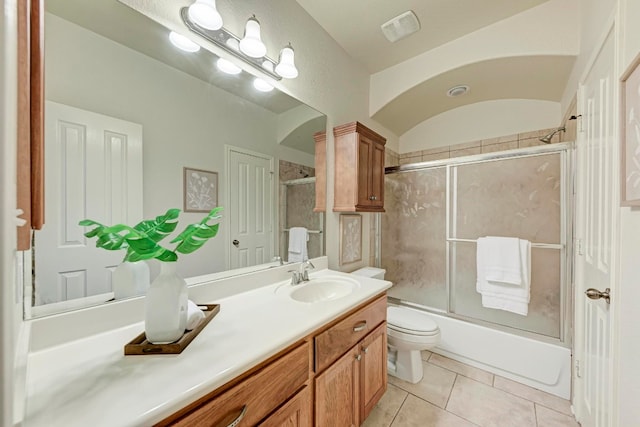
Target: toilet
[{"x": 408, "y": 333}]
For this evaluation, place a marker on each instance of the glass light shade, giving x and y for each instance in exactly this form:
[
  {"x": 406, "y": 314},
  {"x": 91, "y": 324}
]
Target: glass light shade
[
  {"x": 262, "y": 86},
  {"x": 267, "y": 65},
  {"x": 205, "y": 14},
  {"x": 286, "y": 67},
  {"x": 182, "y": 42},
  {"x": 227, "y": 66},
  {"x": 251, "y": 44}
]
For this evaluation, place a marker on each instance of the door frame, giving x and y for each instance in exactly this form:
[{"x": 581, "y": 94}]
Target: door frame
[
  {"x": 580, "y": 300},
  {"x": 228, "y": 149}
]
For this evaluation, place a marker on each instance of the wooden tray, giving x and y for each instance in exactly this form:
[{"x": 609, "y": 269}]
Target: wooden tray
[{"x": 140, "y": 346}]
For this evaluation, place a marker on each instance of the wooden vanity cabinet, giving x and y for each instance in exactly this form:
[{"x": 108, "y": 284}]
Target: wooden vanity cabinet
[
  {"x": 257, "y": 396},
  {"x": 359, "y": 169},
  {"x": 349, "y": 384},
  {"x": 334, "y": 377}
]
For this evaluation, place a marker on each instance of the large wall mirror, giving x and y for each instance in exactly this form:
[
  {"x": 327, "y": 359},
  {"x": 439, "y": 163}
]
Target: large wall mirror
[{"x": 133, "y": 127}]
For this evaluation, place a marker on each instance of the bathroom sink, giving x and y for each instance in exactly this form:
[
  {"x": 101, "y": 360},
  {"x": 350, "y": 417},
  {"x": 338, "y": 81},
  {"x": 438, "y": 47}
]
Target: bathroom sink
[{"x": 321, "y": 289}]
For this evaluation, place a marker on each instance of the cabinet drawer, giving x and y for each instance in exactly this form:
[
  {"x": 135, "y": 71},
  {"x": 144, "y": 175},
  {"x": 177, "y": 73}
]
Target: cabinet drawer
[
  {"x": 335, "y": 341},
  {"x": 257, "y": 396}
]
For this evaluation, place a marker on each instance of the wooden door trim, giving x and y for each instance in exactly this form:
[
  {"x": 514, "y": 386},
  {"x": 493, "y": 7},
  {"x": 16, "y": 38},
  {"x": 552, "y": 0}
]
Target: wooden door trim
[{"x": 30, "y": 144}]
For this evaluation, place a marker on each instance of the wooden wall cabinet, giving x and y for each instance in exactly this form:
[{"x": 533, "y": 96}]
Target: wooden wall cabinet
[
  {"x": 334, "y": 377},
  {"x": 321, "y": 171},
  {"x": 359, "y": 169}
]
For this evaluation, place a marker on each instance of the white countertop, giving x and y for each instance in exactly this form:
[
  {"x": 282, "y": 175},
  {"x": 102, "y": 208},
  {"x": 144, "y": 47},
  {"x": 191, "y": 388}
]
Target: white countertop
[{"x": 89, "y": 381}]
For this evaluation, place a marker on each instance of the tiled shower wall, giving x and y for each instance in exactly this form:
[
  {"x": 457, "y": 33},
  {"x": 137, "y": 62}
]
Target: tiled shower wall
[
  {"x": 502, "y": 143},
  {"x": 517, "y": 197},
  {"x": 507, "y": 142},
  {"x": 296, "y": 208}
]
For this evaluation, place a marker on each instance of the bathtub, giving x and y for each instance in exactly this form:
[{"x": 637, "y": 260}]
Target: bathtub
[{"x": 538, "y": 364}]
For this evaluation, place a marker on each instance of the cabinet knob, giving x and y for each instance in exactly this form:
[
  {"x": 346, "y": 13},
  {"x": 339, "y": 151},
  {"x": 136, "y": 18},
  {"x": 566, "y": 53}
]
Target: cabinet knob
[
  {"x": 373, "y": 197},
  {"x": 365, "y": 350},
  {"x": 358, "y": 357}
]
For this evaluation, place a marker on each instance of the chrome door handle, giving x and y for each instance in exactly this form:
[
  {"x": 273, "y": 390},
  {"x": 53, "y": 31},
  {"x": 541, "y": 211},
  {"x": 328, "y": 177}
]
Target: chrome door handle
[
  {"x": 236, "y": 243},
  {"x": 596, "y": 294}
]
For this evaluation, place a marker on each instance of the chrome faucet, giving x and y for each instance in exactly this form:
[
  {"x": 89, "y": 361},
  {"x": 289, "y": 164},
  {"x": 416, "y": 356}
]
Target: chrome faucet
[
  {"x": 302, "y": 274},
  {"x": 296, "y": 277},
  {"x": 304, "y": 270}
]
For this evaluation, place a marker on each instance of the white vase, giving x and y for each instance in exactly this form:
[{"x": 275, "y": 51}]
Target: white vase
[
  {"x": 130, "y": 279},
  {"x": 166, "y": 306}
]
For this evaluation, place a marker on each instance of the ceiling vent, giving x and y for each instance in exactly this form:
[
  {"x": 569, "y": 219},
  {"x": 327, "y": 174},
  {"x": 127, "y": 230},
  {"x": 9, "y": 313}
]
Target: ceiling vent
[{"x": 401, "y": 26}]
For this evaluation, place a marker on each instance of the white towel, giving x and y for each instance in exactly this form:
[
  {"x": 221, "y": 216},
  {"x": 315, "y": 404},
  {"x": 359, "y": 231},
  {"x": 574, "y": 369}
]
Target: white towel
[
  {"x": 194, "y": 315},
  {"x": 298, "y": 237},
  {"x": 502, "y": 259},
  {"x": 505, "y": 295}
]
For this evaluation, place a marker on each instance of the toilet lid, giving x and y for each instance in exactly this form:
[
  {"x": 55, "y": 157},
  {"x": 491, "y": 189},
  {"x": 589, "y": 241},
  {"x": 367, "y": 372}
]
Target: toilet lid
[{"x": 410, "y": 320}]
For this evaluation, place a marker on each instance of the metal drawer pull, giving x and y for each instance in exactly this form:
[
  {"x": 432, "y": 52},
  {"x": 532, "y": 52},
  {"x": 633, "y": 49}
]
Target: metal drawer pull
[
  {"x": 240, "y": 417},
  {"x": 360, "y": 326}
]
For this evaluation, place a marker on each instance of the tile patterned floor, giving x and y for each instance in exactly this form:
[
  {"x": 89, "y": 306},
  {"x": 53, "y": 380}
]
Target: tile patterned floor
[{"x": 453, "y": 394}]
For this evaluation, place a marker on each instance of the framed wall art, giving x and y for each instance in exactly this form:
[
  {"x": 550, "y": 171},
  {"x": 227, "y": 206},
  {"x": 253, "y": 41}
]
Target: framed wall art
[
  {"x": 200, "y": 191},
  {"x": 350, "y": 238},
  {"x": 630, "y": 136}
]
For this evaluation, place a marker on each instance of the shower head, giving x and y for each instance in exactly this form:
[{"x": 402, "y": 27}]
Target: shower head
[{"x": 547, "y": 138}]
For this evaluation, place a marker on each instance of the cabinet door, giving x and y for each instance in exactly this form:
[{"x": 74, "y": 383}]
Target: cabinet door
[
  {"x": 338, "y": 392},
  {"x": 295, "y": 413},
  {"x": 377, "y": 176},
  {"x": 365, "y": 148},
  {"x": 373, "y": 369}
]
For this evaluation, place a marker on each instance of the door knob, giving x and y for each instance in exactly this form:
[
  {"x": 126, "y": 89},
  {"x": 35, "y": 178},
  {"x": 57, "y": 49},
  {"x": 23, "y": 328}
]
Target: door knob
[
  {"x": 596, "y": 294},
  {"x": 236, "y": 243}
]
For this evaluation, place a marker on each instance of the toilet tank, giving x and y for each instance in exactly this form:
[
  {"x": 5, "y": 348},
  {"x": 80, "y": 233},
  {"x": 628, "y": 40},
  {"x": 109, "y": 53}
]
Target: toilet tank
[{"x": 372, "y": 272}]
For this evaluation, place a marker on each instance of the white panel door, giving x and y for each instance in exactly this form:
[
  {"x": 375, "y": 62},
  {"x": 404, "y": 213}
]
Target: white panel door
[
  {"x": 596, "y": 231},
  {"x": 93, "y": 170},
  {"x": 250, "y": 207}
]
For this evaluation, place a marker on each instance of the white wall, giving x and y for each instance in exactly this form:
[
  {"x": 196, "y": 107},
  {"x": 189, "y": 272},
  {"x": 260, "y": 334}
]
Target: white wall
[
  {"x": 548, "y": 29},
  {"x": 482, "y": 120},
  {"x": 10, "y": 302},
  {"x": 628, "y": 294}
]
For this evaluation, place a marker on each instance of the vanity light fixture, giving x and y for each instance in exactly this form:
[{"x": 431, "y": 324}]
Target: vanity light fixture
[
  {"x": 286, "y": 66},
  {"x": 227, "y": 66},
  {"x": 182, "y": 42},
  {"x": 251, "y": 44},
  {"x": 249, "y": 49},
  {"x": 261, "y": 85},
  {"x": 205, "y": 14}
]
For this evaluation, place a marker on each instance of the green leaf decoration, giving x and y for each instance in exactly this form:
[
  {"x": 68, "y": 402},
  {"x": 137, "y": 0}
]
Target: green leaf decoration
[
  {"x": 145, "y": 248},
  {"x": 107, "y": 239},
  {"x": 159, "y": 228},
  {"x": 196, "y": 235},
  {"x": 141, "y": 241}
]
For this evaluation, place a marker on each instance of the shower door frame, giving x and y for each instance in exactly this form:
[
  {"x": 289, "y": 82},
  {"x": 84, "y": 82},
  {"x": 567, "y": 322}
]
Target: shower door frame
[{"x": 566, "y": 151}]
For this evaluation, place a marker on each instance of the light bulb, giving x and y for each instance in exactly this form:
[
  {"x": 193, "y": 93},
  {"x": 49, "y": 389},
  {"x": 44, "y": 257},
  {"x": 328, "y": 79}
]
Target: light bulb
[
  {"x": 286, "y": 67},
  {"x": 251, "y": 44},
  {"x": 262, "y": 86},
  {"x": 227, "y": 66},
  {"x": 183, "y": 42},
  {"x": 205, "y": 14}
]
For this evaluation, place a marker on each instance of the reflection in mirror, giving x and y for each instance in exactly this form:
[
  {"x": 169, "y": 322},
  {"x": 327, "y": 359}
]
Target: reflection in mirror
[{"x": 126, "y": 112}]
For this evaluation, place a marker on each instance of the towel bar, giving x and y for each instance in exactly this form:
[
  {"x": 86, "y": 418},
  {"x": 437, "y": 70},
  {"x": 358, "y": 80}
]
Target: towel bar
[{"x": 533, "y": 245}]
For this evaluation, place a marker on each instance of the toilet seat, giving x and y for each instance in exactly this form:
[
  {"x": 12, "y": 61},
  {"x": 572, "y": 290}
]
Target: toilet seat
[{"x": 410, "y": 322}]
